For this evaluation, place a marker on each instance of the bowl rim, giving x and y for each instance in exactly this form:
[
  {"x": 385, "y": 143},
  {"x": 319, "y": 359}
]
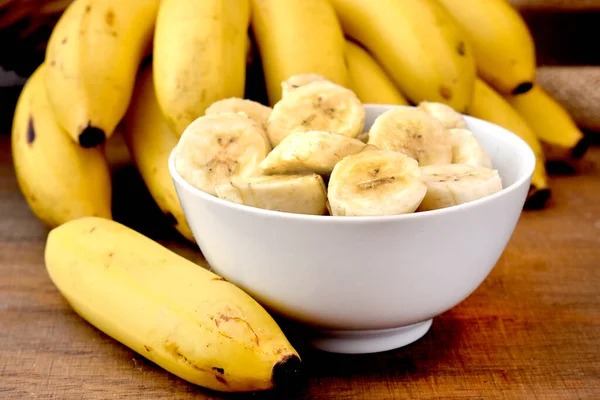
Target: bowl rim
[{"x": 524, "y": 149}]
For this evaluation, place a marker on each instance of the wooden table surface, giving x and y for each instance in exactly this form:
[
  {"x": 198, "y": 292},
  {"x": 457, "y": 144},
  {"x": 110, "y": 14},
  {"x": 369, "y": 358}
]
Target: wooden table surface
[{"x": 531, "y": 330}]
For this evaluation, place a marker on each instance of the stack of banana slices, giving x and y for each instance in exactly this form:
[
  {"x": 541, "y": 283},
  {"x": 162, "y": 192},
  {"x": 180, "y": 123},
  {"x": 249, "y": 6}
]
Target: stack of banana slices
[{"x": 309, "y": 154}]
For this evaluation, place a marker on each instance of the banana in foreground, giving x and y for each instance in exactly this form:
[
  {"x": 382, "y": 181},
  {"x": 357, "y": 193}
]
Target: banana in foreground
[
  {"x": 59, "y": 179},
  {"x": 418, "y": 44},
  {"x": 503, "y": 47},
  {"x": 551, "y": 123},
  {"x": 490, "y": 106},
  {"x": 368, "y": 80},
  {"x": 298, "y": 37},
  {"x": 92, "y": 60},
  {"x": 150, "y": 142},
  {"x": 177, "y": 314},
  {"x": 200, "y": 52}
]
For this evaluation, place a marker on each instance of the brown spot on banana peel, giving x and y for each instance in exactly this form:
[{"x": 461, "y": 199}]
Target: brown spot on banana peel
[
  {"x": 219, "y": 370},
  {"x": 30, "y": 131},
  {"x": 445, "y": 92},
  {"x": 222, "y": 319},
  {"x": 109, "y": 18},
  {"x": 460, "y": 48},
  {"x": 64, "y": 40},
  {"x": 173, "y": 350},
  {"x": 148, "y": 348}
]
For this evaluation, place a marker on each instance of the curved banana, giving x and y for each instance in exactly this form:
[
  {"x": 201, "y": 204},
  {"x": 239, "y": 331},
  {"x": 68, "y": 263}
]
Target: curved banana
[
  {"x": 550, "y": 121},
  {"x": 59, "y": 179},
  {"x": 150, "y": 142},
  {"x": 418, "y": 44},
  {"x": 295, "y": 37},
  {"x": 368, "y": 80},
  {"x": 177, "y": 314},
  {"x": 503, "y": 47},
  {"x": 200, "y": 53},
  {"x": 92, "y": 60},
  {"x": 490, "y": 106}
]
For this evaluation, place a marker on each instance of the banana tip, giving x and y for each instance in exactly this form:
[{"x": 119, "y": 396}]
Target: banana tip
[
  {"x": 522, "y": 88},
  {"x": 581, "y": 147},
  {"x": 91, "y": 137},
  {"x": 537, "y": 198},
  {"x": 288, "y": 373}
]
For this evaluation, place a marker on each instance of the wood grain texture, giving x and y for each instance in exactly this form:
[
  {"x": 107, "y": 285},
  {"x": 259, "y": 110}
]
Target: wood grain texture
[
  {"x": 556, "y": 5},
  {"x": 531, "y": 330}
]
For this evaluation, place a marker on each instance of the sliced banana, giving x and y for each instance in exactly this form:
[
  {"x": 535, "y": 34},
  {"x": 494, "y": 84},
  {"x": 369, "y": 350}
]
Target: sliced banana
[
  {"x": 443, "y": 112},
  {"x": 375, "y": 182},
  {"x": 364, "y": 137},
  {"x": 300, "y": 194},
  {"x": 453, "y": 184},
  {"x": 298, "y": 80},
  {"x": 466, "y": 149},
  {"x": 313, "y": 151},
  {"x": 253, "y": 109},
  {"x": 317, "y": 106},
  {"x": 217, "y": 147},
  {"x": 412, "y": 131}
]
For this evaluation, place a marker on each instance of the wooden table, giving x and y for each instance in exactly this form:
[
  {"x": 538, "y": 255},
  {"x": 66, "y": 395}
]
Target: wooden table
[{"x": 531, "y": 330}]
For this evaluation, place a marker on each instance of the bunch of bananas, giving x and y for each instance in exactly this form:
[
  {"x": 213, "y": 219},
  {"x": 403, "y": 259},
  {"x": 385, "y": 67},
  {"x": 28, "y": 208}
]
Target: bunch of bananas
[{"x": 144, "y": 70}]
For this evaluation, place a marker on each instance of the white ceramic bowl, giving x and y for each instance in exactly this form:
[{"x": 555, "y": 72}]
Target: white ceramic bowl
[{"x": 364, "y": 284}]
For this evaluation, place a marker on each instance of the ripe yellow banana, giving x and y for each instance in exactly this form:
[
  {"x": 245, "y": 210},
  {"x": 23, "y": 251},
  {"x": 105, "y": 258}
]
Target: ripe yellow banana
[
  {"x": 550, "y": 121},
  {"x": 200, "y": 52},
  {"x": 177, "y": 314},
  {"x": 92, "y": 59},
  {"x": 150, "y": 142},
  {"x": 296, "y": 37},
  {"x": 59, "y": 179},
  {"x": 368, "y": 80},
  {"x": 503, "y": 46},
  {"x": 490, "y": 106},
  {"x": 116, "y": 151},
  {"x": 417, "y": 43}
]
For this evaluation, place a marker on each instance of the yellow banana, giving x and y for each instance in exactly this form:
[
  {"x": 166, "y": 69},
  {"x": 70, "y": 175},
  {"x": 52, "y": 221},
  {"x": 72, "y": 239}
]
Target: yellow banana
[
  {"x": 177, "y": 314},
  {"x": 550, "y": 121},
  {"x": 200, "y": 51},
  {"x": 92, "y": 59},
  {"x": 150, "y": 142},
  {"x": 59, "y": 179},
  {"x": 503, "y": 46},
  {"x": 417, "y": 43},
  {"x": 296, "y": 37},
  {"x": 368, "y": 80},
  {"x": 490, "y": 106}
]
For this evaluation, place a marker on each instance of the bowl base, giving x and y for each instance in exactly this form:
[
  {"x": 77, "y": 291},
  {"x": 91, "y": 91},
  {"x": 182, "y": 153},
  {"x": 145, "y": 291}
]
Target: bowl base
[{"x": 368, "y": 341}]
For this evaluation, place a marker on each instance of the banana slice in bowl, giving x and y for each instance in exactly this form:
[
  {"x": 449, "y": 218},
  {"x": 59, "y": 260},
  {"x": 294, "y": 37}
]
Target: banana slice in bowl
[
  {"x": 444, "y": 113},
  {"x": 313, "y": 151},
  {"x": 317, "y": 106},
  {"x": 375, "y": 182},
  {"x": 466, "y": 149},
  {"x": 253, "y": 109},
  {"x": 299, "y": 194},
  {"x": 413, "y": 132},
  {"x": 218, "y": 147},
  {"x": 454, "y": 184},
  {"x": 299, "y": 80}
]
